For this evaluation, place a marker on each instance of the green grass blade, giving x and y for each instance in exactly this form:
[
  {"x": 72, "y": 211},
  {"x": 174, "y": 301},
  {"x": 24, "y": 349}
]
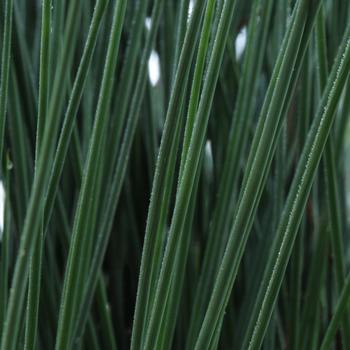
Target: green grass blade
[
  {"x": 167, "y": 325},
  {"x": 5, "y": 70},
  {"x": 118, "y": 177},
  {"x": 73, "y": 275},
  {"x": 331, "y": 177},
  {"x": 72, "y": 109},
  {"x": 163, "y": 184},
  {"x": 156, "y": 195},
  {"x": 339, "y": 313},
  {"x": 301, "y": 187},
  {"x": 35, "y": 265},
  {"x": 226, "y": 193},
  {"x": 269, "y": 117},
  {"x": 32, "y": 221},
  {"x": 188, "y": 178},
  {"x": 5, "y": 250}
]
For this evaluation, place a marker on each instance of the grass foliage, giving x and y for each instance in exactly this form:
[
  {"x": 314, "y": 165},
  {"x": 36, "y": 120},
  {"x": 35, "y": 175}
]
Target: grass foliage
[{"x": 175, "y": 174}]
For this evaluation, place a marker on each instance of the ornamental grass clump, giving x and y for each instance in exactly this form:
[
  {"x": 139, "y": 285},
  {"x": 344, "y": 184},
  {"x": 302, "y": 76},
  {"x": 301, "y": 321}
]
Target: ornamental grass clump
[{"x": 174, "y": 174}]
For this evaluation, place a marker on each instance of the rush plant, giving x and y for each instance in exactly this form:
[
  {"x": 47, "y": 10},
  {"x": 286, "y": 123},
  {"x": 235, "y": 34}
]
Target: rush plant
[{"x": 174, "y": 174}]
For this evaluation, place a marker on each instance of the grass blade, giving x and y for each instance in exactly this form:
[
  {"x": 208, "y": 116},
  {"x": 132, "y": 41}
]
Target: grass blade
[
  {"x": 75, "y": 260},
  {"x": 36, "y": 261},
  {"x": 5, "y": 69},
  {"x": 301, "y": 187}
]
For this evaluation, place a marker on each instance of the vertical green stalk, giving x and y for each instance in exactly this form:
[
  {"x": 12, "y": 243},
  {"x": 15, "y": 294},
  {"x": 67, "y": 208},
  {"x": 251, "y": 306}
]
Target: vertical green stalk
[
  {"x": 167, "y": 325},
  {"x": 36, "y": 261},
  {"x": 147, "y": 260},
  {"x": 300, "y": 189},
  {"x": 72, "y": 109},
  {"x": 176, "y": 233},
  {"x": 340, "y": 310},
  {"x": 116, "y": 183},
  {"x": 32, "y": 222},
  {"x": 333, "y": 202},
  {"x": 76, "y": 257},
  {"x": 182, "y": 16},
  {"x": 5, "y": 70},
  {"x": 5, "y": 248},
  {"x": 238, "y": 136},
  {"x": 258, "y": 163}
]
